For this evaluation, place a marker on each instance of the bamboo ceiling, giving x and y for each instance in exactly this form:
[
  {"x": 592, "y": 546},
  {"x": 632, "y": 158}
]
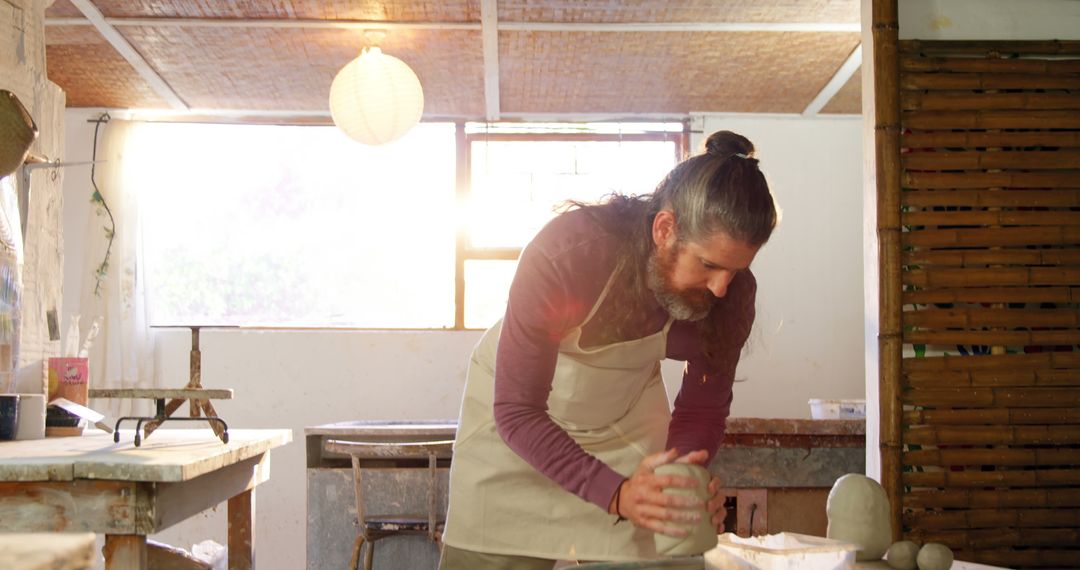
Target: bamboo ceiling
[{"x": 546, "y": 58}]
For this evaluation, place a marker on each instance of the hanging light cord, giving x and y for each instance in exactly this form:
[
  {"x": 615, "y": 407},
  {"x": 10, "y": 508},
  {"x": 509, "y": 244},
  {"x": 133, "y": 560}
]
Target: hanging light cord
[{"x": 97, "y": 198}]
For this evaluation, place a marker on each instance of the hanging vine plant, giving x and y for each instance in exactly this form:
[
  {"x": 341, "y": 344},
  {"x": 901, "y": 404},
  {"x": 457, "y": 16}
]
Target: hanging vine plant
[{"x": 98, "y": 199}]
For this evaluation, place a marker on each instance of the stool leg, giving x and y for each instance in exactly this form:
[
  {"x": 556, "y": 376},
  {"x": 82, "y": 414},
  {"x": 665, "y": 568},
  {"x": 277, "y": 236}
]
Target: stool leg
[
  {"x": 354, "y": 562},
  {"x": 369, "y": 555}
]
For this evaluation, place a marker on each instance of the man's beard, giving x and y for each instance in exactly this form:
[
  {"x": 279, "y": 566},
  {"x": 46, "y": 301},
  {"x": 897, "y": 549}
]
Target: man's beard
[{"x": 685, "y": 305}]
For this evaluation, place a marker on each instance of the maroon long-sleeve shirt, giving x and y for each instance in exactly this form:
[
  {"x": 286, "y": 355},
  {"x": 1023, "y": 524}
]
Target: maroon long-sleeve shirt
[{"x": 560, "y": 276}]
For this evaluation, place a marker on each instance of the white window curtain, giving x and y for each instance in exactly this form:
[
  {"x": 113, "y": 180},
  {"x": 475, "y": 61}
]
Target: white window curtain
[{"x": 124, "y": 354}]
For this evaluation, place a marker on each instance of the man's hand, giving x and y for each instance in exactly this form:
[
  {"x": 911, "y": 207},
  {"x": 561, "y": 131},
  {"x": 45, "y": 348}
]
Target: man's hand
[
  {"x": 642, "y": 499},
  {"x": 715, "y": 506}
]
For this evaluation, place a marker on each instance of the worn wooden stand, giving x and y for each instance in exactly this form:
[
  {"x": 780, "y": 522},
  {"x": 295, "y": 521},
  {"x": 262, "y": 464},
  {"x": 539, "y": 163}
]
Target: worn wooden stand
[
  {"x": 147, "y": 424},
  {"x": 198, "y": 399}
]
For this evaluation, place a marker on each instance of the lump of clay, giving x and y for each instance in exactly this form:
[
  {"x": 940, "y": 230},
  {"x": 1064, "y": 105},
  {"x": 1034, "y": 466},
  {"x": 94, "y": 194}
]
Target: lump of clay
[
  {"x": 702, "y": 535},
  {"x": 901, "y": 555},
  {"x": 934, "y": 556},
  {"x": 858, "y": 511}
]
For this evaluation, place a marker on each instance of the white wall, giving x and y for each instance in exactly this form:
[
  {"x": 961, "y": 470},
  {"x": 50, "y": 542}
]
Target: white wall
[
  {"x": 989, "y": 19},
  {"x": 807, "y": 343},
  {"x": 297, "y": 379},
  {"x": 77, "y": 215},
  {"x": 871, "y": 279},
  {"x": 807, "y": 340}
]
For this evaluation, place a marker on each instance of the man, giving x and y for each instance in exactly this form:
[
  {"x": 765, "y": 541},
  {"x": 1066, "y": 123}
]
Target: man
[{"x": 565, "y": 415}]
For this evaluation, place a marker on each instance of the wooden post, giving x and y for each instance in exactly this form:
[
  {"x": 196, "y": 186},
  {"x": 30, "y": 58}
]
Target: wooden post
[
  {"x": 887, "y": 149},
  {"x": 125, "y": 552},
  {"x": 463, "y": 180},
  {"x": 242, "y": 531},
  {"x": 195, "y": 370}
]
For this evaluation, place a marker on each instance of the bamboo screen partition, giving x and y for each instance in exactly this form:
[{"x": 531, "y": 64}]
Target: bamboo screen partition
[{"x": 987, "y": 402}]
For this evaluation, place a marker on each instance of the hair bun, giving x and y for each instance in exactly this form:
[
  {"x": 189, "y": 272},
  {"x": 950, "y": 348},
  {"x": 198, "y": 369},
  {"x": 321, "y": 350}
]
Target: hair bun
[{"x": 727, "y": 143}]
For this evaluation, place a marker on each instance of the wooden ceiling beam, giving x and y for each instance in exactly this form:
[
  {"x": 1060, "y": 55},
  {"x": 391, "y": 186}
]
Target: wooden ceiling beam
[
  {"x": 505, "y": 26},
  {"x": 839, "y": 79},
  {"x": 95, "y": 18},
  {"x": 489, "y": 33},
  {"x": 307, "y": 117},
  {"x": 680, "y": 27},
  {"x": 267, "y": 23}
]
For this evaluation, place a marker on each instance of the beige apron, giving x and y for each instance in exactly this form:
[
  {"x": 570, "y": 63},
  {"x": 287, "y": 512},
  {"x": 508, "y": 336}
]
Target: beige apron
[{"x": 611, "y": 400}]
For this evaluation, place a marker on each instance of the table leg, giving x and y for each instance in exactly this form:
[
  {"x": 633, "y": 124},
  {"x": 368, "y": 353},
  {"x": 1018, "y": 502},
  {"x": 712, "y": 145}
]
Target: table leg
[
  {"x": 242, "y": 531},
  {"x": 210, "y": 412},
  {"x": 125, "y": 552}
]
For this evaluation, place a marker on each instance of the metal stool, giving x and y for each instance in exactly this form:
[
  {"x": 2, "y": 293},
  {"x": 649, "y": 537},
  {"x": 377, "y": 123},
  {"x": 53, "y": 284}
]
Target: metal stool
[{"x": 373, "y": 528}]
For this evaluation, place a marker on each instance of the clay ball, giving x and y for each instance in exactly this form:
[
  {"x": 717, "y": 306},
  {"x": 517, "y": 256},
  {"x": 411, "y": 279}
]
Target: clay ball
[
  {"x": 703, "y": 535},
  {"x": 934, "y": 556},
  {"x": 858, "y": 511},
  {"x": 902, "y": 555}
]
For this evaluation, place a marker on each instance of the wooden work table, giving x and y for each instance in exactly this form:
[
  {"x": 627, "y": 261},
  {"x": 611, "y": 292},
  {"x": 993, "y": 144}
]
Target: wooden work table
[
  {"x": 377, "y": 430},
  {"x": 90, "y": 484},
  {"x": 47, "y": 551},
  {"x": 778, "y": 473}
]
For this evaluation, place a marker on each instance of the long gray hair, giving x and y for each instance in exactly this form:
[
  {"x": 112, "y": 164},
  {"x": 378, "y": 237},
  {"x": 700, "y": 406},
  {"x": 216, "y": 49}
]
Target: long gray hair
[{"x": 720, "y": 190}]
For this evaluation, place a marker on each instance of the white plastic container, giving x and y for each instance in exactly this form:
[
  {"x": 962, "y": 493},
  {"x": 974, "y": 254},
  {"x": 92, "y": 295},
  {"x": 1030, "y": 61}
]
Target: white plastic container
[
  {"x": 31, "y": 417},
  {"x": 837, "y": 409},
  {"x": 783, "y": 551}
]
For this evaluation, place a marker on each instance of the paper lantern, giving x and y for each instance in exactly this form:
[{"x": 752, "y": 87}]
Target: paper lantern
[{"x": 376, "y": 98}]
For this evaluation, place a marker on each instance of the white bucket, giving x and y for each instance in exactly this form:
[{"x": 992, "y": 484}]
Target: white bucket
[{"x": 837, "y": 409}]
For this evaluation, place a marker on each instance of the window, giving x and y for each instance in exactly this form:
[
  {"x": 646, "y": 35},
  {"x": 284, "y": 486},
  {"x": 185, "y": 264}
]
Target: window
[
  {"x": 521, "y": 176},
  {"x": 298, "y": 226}
]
